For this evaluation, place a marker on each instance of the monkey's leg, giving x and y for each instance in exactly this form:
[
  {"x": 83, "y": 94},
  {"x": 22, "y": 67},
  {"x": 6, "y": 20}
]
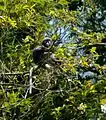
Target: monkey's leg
[{"x": 48, "y": 66}]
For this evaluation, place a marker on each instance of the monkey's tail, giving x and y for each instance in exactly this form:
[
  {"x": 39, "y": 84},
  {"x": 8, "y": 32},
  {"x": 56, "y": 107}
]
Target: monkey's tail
[{"x": 30, "y": 80}]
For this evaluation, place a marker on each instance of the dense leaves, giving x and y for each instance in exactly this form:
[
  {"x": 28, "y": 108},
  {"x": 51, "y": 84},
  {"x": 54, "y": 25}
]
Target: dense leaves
[{"x": 74, "y": 90}]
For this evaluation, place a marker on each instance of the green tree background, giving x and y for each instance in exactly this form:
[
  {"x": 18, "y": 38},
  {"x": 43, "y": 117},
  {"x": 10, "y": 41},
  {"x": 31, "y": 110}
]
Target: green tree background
[{"x": 74, "y": 90}]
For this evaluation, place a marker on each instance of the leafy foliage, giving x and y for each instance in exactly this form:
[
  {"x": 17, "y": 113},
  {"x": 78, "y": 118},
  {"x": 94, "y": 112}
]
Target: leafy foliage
[{"x": 73, "y": 90}]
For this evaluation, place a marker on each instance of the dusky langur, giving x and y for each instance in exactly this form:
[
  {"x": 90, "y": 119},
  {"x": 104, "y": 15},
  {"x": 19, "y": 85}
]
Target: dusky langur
[{"x": 43, "y": 56}]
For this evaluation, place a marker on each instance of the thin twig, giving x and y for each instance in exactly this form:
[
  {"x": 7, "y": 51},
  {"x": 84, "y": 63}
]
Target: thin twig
[
  {"x": 20, "y": 73},
  {"x": 13, "y": 84},
  {"x": 96, "y": 44},
  {"x": 20, "y": 85}
]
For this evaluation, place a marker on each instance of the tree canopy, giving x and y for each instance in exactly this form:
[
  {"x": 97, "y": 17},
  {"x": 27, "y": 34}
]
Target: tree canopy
[{"x": 74, "y": 90}]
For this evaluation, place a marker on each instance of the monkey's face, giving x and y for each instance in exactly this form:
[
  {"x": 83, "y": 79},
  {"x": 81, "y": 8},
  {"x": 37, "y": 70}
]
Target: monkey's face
[{"x": 47, "y": 43}]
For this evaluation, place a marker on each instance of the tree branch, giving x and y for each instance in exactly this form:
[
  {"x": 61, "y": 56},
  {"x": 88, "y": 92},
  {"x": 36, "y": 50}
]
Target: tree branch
[{"x": 16, "y": 73}]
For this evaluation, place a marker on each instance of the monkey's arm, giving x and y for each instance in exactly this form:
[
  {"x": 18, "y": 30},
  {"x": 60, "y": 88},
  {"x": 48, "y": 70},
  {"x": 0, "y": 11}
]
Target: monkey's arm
[{"x": 55, "y": 59}]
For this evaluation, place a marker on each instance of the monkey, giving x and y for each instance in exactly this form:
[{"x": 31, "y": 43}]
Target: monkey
[{"x": 43, "y": 56}]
